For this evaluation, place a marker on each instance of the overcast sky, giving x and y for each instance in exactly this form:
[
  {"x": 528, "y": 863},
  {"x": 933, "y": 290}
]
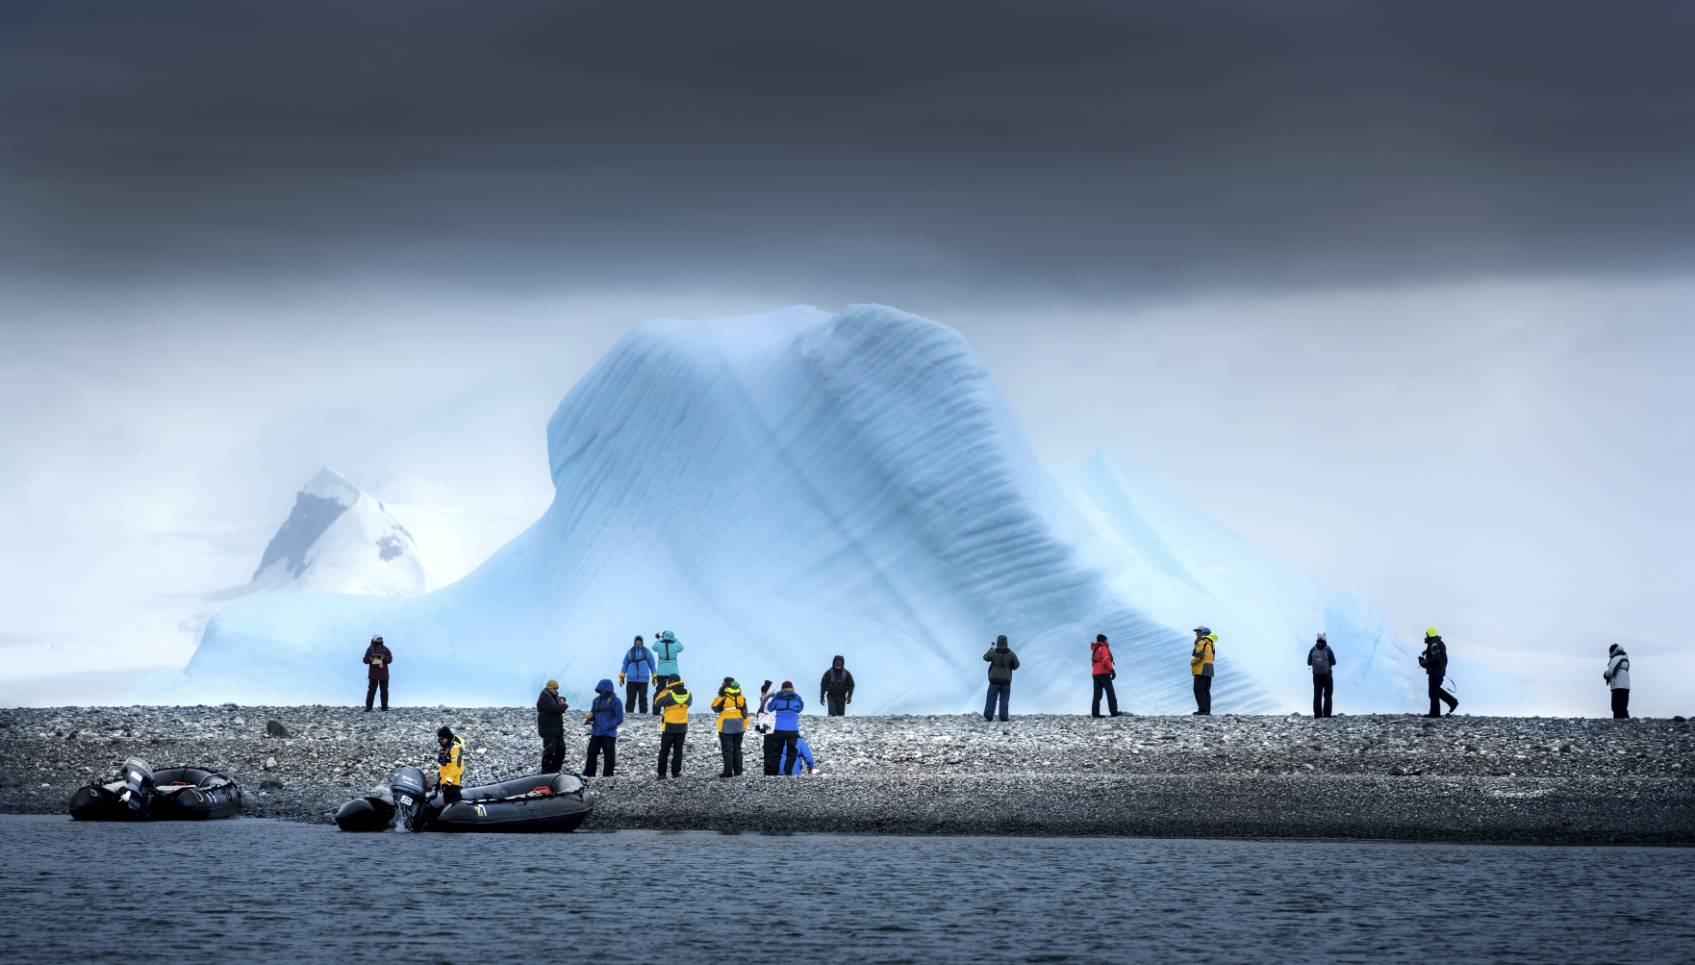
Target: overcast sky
[{"x": 1400, "y": 292}]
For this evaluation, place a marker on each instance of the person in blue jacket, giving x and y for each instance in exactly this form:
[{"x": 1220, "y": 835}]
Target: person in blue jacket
[
  {"x": 786, "y": 705},
  {"x": 606, "y": 714},
  {"x": 665, "y": 649},
  {"x": 790, "y": 768},
  {"x": 638, "y": 669}
]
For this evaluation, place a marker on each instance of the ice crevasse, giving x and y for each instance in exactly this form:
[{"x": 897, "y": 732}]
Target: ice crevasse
[{"x": 781, "y": 488}]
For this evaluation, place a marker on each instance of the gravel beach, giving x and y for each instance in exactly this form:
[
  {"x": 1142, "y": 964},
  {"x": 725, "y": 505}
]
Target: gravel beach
[{"x": 1463, "y": 779}]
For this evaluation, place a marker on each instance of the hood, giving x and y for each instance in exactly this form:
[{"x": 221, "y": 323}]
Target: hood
[
  {"x": 604, "y": 687},
  {"x": 1322, "y": 645},
  {"x": 668, "y": 637},
  {"x": 837, "y": 663},
  {"x": 732, "y": 691}
]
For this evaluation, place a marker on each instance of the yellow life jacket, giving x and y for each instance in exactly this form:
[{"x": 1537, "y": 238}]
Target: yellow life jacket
[
  {"x": 450, "y": 762},
  {"x": 732, "y": 709},
  {"x": 675, "y": 703},
  {"x": 1200, "y": 660}
]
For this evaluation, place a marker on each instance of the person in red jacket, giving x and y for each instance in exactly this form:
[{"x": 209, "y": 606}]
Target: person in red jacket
[
  {"x": 377, "y": 658},
  {"x": 1100, "y": 667}
]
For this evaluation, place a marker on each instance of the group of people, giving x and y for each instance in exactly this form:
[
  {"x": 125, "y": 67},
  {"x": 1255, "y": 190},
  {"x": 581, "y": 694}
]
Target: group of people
[
  {"x": 1321, "y": 660},
  {"x": 776, "y": 717}
]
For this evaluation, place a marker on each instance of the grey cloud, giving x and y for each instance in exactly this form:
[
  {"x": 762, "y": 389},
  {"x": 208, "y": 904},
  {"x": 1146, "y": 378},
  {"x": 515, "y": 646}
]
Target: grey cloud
[{"x": 868, "y": 150}]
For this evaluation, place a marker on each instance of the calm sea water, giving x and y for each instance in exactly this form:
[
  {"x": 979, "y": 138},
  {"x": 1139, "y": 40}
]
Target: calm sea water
[{"x": 248, "y": 889}]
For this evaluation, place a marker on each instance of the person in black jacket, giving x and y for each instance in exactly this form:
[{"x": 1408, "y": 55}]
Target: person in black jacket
[
  {"x": 377, "y": 658},
  {"x": 550, "y": 724},
  {"x": 1434, "y": 660},
  {"x": 835, "y": 691},
  {"x": 1322, "y": 660}
]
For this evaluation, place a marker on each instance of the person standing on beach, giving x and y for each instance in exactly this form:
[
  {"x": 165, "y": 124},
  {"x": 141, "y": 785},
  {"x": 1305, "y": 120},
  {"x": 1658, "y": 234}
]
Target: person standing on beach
[
  {"x": 450, "y": 764},
  {"x": 550, "y": 724},
  {"x": 1103, "y": 672},
  {"x": 765, "y": 724},
  {"x": 1322, "y": 660},
  {"x": 637, "y": 670},
  {"x": 606, "y": 714},
  {"x": 1002, "y": 662},
  {"x": 665, "y": 650},
  {"x": 672, "y": 704},
  {"x": 786, "y": 705},
  {"x": 1200, "y": 667},
  {"x": 835, "y": 690},
  {"x": 732, "y": 725},
  {"x": 1434, "y": 660},
  {"x": 1617, "y": 676},
  {"x": 377, "y": 658}
]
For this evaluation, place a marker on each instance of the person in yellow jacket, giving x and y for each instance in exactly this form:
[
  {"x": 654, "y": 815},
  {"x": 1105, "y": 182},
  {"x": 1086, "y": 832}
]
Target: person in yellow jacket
[
  {"x": 732, "y": 724},
  {"x": 1200, "y": 666},
  {"x": 672, "y": 704},
  {"x": 450, "y": 764}
]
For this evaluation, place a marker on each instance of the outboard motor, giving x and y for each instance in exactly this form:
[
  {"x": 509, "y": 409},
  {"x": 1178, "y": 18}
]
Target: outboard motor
[
  {"x": 407, "y": 786},
  {"x": 137, "y": 792}
]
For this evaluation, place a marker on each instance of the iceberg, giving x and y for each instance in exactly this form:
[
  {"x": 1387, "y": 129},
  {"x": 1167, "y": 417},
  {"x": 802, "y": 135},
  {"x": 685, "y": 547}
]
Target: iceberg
[{"x": 781, "y": 488}]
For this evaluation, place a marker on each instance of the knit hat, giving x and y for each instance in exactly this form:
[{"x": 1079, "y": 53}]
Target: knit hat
[
  {"x": 788, "y": 685},
  {"x": 553, "y": 685},
  {"x": 445, "y": 733}
]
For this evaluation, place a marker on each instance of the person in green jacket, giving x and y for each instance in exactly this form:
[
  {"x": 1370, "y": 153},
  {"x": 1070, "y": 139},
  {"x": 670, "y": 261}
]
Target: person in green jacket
[{"x": 666, "y": 646}]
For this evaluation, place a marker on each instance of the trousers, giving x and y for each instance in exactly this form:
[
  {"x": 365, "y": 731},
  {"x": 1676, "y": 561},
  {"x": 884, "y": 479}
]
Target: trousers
[
  {"x": 671, "y": 748},
  {"x": 1621, "y": 703},
  {"x": 605, "y": 747},
  {"x": 1103, "y": 685},
  {"x": 633, "y": 690},
  {"x": 1203, "y": 694},
  {"x": 552, "y": 753},
  {"x": 730, "y": 745},
  {"x": 1323, "y": 688},
  {"x": 371, "y": 692}
]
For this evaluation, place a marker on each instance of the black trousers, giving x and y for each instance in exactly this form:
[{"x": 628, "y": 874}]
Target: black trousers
[
  {"x": 1621, "y": 703},
  {"x": 450, "y": 793},
  {"x": 1203, "y": 694},
  {"x": 632, "y": 690},
  {"x": 1103, "y": 685},
  {"x": 730, "y": 745},
  {"x": 552, "y": 753},
  {"x": 1438, "y": 697},
  {"x": 605, "y": 747},
  {"x": 772, "y": 751},
  {"x": 786, "y": 742},
  {"x": 836, "y": 704},
  {"x": 660, "y": 682},
  {"x": 371, "y": 692},
  {"x": 671, "y": 748},
  {"x": 1323, "y": 688}
]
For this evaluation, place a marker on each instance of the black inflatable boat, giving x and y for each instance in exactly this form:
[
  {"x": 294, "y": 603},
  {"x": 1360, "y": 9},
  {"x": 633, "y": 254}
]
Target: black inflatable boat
[
  {"x": 168, "y": 794},
  {"x": 535, "y": 803}
]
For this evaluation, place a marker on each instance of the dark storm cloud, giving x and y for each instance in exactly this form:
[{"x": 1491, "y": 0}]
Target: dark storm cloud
[{"x": 868, "y": 149}]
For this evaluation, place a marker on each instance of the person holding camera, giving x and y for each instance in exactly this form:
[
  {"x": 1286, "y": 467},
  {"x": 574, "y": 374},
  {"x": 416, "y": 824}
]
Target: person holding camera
[{"x": 550, "y": 724}]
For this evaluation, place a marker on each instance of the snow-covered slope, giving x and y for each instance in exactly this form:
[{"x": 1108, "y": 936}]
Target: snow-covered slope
[
  {"x": 781, "y": 488},
  {"x": 340, "y": 539}
]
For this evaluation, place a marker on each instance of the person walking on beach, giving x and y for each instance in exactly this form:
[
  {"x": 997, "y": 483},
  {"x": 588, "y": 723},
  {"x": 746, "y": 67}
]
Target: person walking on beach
[
  {"x": 550, "y": 724},
  {"x": 731, "y": 707},
  {"x": 1617, "y": 676},
  {"x": 1002, "y": 662},
  {"x": 637, "y": 670},
  {"x": 1103, "y": 672},
  {"x": 1200, "y": 667},
  {"x": 665, "y": 650},
  {"x": 835, "y": 691},
  {"x": 377, "y": 658},
  {"x": 673, "y": 707},
  {"x": 450, "y": 764},
  {"x": 1434, "y": 660},
  {"x": 1322, "y": 660},
  {"x": 786, "y": 705},
  {"x": 765, "y": 724},
  {"x": 606, "y": 715}
]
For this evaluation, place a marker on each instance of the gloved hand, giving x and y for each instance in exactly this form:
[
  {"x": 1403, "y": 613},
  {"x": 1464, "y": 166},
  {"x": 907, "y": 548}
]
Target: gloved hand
[
  {"x": 620, "y": 678},
  {"x": 1114, "y": 675}
]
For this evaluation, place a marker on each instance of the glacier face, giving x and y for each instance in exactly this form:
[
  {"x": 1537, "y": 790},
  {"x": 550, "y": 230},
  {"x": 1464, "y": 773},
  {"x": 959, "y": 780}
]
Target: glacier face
[{"x": 785, "y": 487}]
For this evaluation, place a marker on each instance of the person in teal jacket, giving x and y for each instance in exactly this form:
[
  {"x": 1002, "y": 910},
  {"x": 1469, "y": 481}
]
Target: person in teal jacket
[{"x": 666, "y": 646}]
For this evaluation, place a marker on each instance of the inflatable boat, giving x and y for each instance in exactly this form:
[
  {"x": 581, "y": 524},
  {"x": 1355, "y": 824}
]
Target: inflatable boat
[
  {"x": 534, "y": 803},
  {"x": 168, "y": 794}
]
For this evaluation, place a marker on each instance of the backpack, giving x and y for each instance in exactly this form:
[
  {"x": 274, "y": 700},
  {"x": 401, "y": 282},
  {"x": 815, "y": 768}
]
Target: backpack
[{"x": 1320, "y": 661}]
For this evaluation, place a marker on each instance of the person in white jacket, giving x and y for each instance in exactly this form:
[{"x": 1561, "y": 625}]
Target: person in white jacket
[{"x": 1617, "y": 677}]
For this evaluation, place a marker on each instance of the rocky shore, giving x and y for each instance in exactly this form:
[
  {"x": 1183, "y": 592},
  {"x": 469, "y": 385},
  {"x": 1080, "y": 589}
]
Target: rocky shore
[{"x": 1479, "y": 779}]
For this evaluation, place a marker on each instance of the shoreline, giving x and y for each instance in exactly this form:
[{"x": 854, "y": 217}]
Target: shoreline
[{"x": 1389, "y": 778}]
